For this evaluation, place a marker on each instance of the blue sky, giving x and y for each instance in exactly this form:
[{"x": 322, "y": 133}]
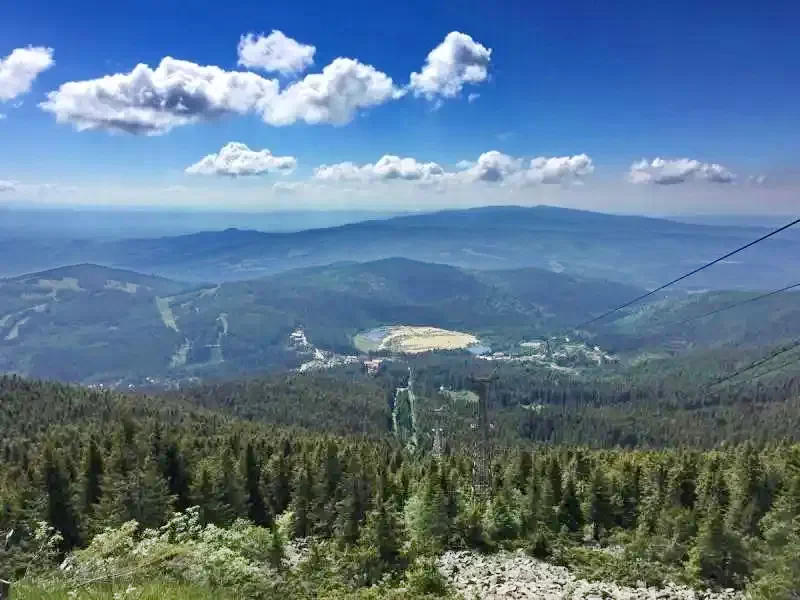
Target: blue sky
[{"x": 710, "y": 87}]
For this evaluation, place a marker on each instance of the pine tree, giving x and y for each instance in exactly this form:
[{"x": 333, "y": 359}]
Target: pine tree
[
  {"x": 349, "y": 510},
  {"x": 141, "y": 495},
  {"x": 176, "y": 474},
  {"x": 718, "y": 554},
  {"x": 554, "y": 479},
  {"x": 256, "y": 507},
  {"x": 599, "y": 509},
  {"x": 229, "y": 488},
  {"x": 502, "y": 517},
  {"x": 92, "y": 477},
  {"x": 302, "y": 499},
  {"x": 532, "y": 509},
  {"x": 382, "y": 532},
  {"x": 278, "y": 478},
  {"x": 426, "y": 515},
  {"x": 325, "y": 488},
  {"x": 548, "y": 509},
  {"x": 778, "y": 575},
  {"x": 60, "y": 512},
  {"x": 627, "y": 495},
  {"x": 570, "y": 515},
  {"x": 750, "y": 495},
  {"x": 276, "y": 551},
  {"x": 204, "y": 495}
]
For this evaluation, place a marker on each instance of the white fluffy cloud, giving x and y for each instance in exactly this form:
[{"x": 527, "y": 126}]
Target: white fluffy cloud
[
  {"x": 275, "y": 53},
  {"x": 388, "y": 168},
  {"x": 7, "y": 186},
  {"x": 333, "y": 96},
  {"x": 177, "y": 92},
  {"x": 491, "y": 167},
  {"x": 237, "y": 160},
  {"x": 496, "y": 167},
  {"x": 673, "y": 171},
  {"x": 558, "y": 169},
  {"x": 153, "y": 101},
  {"x": 19, "y": 69},
  {"x": 457, "y": 61},
  {"x": 757, "y": 179}
]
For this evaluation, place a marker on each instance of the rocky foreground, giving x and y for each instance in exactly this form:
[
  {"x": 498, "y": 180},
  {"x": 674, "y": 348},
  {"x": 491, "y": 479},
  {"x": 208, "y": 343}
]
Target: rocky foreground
[{"x": 520, "y": 577}]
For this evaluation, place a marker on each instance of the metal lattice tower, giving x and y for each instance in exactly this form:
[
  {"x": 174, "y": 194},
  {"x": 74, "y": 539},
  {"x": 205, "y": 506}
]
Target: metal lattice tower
[
  {"x": 480, "y": 458},
  {"x": 438, "y": 434}
]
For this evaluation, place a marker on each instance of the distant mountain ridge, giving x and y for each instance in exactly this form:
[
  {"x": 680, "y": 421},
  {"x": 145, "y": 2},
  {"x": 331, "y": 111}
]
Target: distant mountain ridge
[{"x": 640, "y": 251}]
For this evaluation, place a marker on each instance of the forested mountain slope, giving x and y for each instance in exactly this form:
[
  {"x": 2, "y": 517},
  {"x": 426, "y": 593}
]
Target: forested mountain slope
[
  {"x": 99, "y": 328},
  {"x": 635, "y": 250},
  {"x": 378, "y": 514}
]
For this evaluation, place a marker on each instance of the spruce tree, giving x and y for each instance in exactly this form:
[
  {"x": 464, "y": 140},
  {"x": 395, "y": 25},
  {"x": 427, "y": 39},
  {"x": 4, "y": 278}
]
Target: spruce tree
[
  {"x": 302, "y": 499},
  {"x": 256, "y": 507},
  {"x": 176, "y": 474},
  {"x": 570, "y": 515},
  {"x": 426, "y": 515},
  {"x": 599, "y": 509},
  {"x": 92, "y": 477},
  {"x": 60, "y": 512}
]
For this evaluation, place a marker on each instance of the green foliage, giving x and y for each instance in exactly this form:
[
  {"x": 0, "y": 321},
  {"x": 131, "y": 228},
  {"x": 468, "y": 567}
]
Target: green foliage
[
  {"x": 423, "y": 579},
  {"x": 373, "y": 507}
]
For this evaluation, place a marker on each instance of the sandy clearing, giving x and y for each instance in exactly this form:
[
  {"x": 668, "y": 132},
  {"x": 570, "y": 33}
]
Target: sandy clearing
[
  {"x": 413, "y": 340},
  {"x": 122, "y": 286},
  {"x": 56, "y": 285},
  {"x": 164, "y": 309},
  {"x": 14, "y": 333},
  {"x": 181, "y": 354}
]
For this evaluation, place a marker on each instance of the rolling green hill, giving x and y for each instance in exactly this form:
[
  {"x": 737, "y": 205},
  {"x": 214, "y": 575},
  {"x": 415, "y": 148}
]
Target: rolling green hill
[
  {"x": 88, "y": 323},
  {"x": 92, "y": 324},
  {"x": 75, "y": 322}
]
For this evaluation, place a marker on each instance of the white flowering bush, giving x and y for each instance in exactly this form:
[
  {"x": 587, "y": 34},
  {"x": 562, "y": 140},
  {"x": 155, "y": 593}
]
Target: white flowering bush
[{"x": 236, "y": 558}]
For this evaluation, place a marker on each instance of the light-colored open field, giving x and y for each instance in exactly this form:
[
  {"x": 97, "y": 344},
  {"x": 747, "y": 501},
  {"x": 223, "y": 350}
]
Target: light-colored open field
[
  {"x": 165, "y": 310},
  {"x": 409, "y": 339},
  {"x": 126, "y": 286}
]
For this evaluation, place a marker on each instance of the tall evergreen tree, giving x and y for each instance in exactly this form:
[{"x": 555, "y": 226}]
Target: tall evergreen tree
[
  {"x": 60, "y": 511},
  {"x": 92, "y": 477},
  {"x": 256, "y": 507},
  {"x": 599, "y": 505},
  {"x": 570, "y": 515}
]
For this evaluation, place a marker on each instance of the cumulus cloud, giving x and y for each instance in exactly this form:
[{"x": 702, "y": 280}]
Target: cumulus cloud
[
  {"x": 457, "y": 61},
  {"x": 153, "y": 101},
  {"x": 472, "y": 97},
  {"x": 177, "y": 92},
  {"x": 7, "y": 186},
  {"x": 237, "y": 160},
  {"x": 388, "y": 168},
  {"x": 496, "y": 167},
  {"x": 333, "y": 96},
  {"x": 673, "y": 171},
  {"x": 757, "y": 179},
  {"x": 275, "y": 53},
  {"x": 558, "y": 169},
  {"x": 491, "y": 167},
  {"x": 19, "y": 69}
]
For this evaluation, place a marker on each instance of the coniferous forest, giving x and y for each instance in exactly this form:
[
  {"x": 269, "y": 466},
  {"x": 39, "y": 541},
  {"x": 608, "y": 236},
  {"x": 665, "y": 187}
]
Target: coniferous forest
[{"x": 295, "y": 487}]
